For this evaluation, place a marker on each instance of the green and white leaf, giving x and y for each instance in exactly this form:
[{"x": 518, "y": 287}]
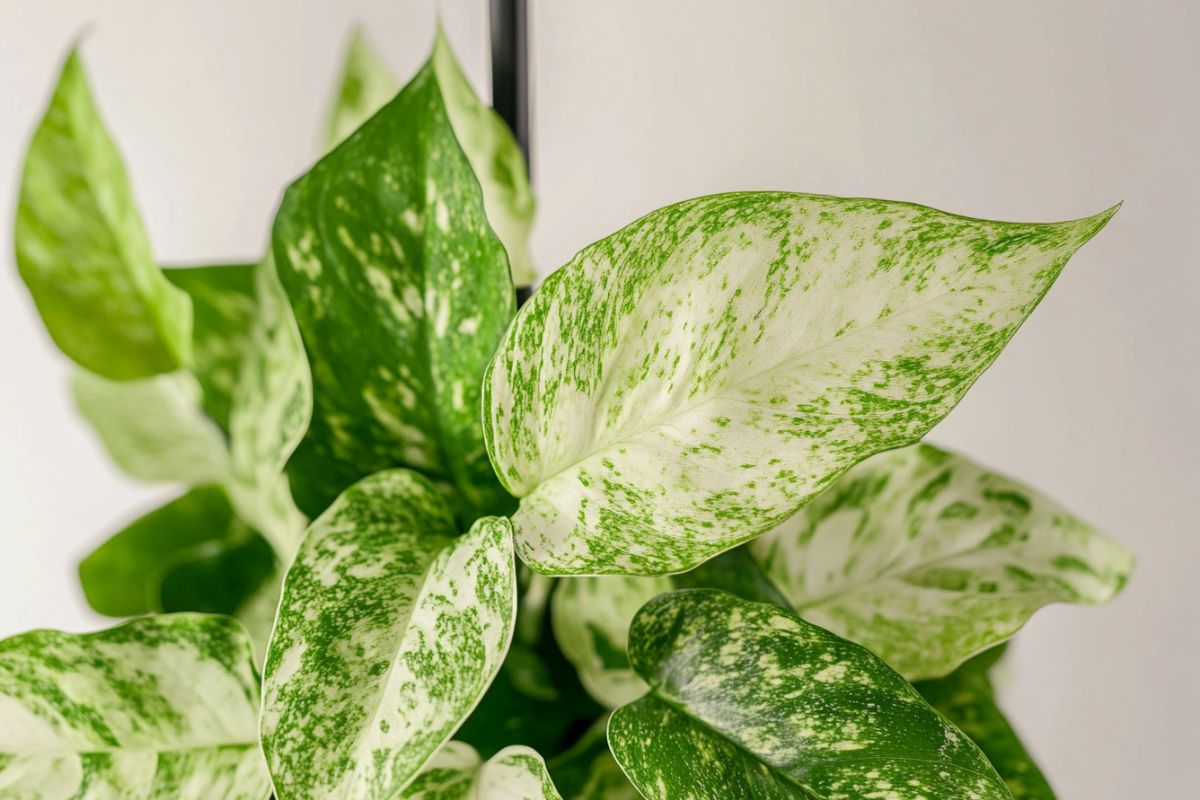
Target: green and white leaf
[
  {"x": 495, "y": 158},
  {"x": 401, "y": 292},
  {"x": 591, "y": 617},
  {"x": 159, "y": 707},
  {"x": 82, "y": 248},
  {"x": 224, "y": 309},
  {"x": 927, "y": 559},
  {"x": 690, "y": 381},
  {"x": 270, "y": 410},
  {"x": 192, "y": 554},
  {"x": 389, "y": 631},
  {"x": 750, "y": 701},
  {"x": 365, "y": 86},
  {"x": 456, "y": 772},
  {"x": 966, "y": 698},
  {"x": 154, "y": 429}
]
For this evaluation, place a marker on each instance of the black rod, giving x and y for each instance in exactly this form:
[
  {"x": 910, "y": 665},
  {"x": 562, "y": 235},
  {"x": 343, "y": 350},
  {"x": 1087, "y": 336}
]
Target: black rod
[{"x": 510, "y": 68}]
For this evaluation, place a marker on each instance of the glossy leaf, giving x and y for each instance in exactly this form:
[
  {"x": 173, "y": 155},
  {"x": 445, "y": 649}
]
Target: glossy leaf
[
  {"x": 750, "y": 701},
  {"x": 495, "y": 158},
  {"x": 365, "y": 86},
  {"x": 83, "y": 251},
  {"x": 967, "y": 699},
  {"x": 159, "y": 707},
  {"x": 401, "y": 292},
  {"x": 223, "y": 308},
  {"x": 154, "y": 429},
  {"x": 927, "y": 559},
  {"x": 408, "y": 623},
  {"x": 690, "y": 381},
  {"x": 192, "y": 554},
  {"x": 457, "y": 773}
]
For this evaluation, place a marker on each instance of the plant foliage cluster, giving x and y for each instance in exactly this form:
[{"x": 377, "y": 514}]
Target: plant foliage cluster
[{"x": 668, "y": 530}]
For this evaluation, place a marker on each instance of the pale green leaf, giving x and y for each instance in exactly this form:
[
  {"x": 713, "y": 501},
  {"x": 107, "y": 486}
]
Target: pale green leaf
[
  {"x": 161, "y": 707},
  {"x": 457, "y": 773},
  {"x": 154, "y": 429},
  {"x": 365, "y": 86},
  {"x": 591, "y": 617},
  {"x": 928, "y": 559},
  {"x": 401, "y": 292},
  {"x": 751, "y": 702},
  {"x": 270, "y": 410},
  {"x": 83, "y": 251},
  {"x": 224, "y": 309},
  {"x": 690, "y": 381},
  {"x": 966, "y": 698},
  {"x": 406, "y": 623},
  {"x": 192, "y": 554},
  {"x": 495, "y": 158}
]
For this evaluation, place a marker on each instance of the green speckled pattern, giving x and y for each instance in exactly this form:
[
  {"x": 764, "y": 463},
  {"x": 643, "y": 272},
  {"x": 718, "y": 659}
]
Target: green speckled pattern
[
  {"x": 401, "y": 292},
  {"x": 154, "y": 429},
  {"x": 457, "y": 773},
  {"x": 495, "y": 158},
  {"x": 161, "y": 708},
  {"x": 591, "y": 617},
  {"x": 749, "y": 702},
  {"x": 967, "y": 699},
  {"x": 83, "y": 251},
  {"x": 224, "y": 310},
  {"x": 690, "y": 381},
  {"x": 389, "y": 632},
  {"x": 365, "y": 86},
  {"x": 928, "y": 559}
]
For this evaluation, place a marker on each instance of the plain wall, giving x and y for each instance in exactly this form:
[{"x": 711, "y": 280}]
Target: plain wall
[{"x": 1019, "y": 110}]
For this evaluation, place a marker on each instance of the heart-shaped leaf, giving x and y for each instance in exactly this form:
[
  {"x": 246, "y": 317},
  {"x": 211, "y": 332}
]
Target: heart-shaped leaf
[
  {"x": 389, "y": 632},
  {"x": 401, "y": 292},
  {"x": 159, "y": 707},
  {"x": 927, "y": 559},
  {"x": 690, "y": 381},
  {"x": 748, "y": 700},
  {"x": 83, "y": 251},
  {"x": 457, "y": 773},
  {"x": 967, "y": 699}
]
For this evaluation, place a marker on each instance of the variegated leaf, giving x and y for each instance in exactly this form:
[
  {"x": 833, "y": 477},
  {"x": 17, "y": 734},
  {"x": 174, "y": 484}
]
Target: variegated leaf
[
  {"x": 83, "y": 251},
  {"x": 591, "y": 617},
  {"x": 270, "y": 410},
  {"x": 161, "y": 707},
  {"x": 401, "y": 291},
  {"x": 365, "y": 86},
  {"x": 457, "y": 773},
  {"x": 750, "y": 701},
  {"x": 224, "y": 309},
  {"x": 388, "y": 633},
  {"x": 154, "y": 429},
  {"x": 967, "y": 699},
  {"x": 588, "y": 771},
  {"x": 495, "y": 158},
  {"x": 690, "y": 381},
  {"x": 928, "y": 559},
  {"x": 192, "y": 554}
]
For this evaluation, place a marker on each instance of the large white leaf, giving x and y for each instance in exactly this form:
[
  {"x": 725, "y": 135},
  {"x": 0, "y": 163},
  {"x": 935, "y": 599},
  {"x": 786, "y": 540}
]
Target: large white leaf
[
  {"x": 457, "y": 772},
  {"x": 928, "y": 559},
  {"x": 161, "y": 707},
  {"x": 690, "y": 381},
  {"x": 389, "y": 632}
]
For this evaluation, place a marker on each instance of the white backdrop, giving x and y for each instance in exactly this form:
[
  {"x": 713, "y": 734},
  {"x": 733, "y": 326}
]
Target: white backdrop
[{"x": 1015, "y": 110}]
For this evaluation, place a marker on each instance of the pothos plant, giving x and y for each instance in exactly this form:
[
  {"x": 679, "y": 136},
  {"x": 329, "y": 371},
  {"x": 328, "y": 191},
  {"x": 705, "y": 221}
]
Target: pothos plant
[{"x": 668, "y": 529}]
